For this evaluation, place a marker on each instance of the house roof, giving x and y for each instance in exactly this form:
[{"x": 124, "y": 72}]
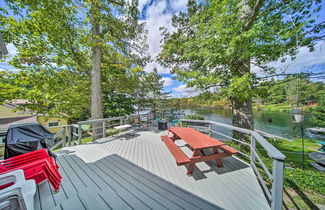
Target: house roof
[{"x": 6, "y": 122}]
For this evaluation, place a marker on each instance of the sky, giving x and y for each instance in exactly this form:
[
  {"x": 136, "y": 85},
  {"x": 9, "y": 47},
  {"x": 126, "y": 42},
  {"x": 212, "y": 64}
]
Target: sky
[{"x": 158, "y": 13}]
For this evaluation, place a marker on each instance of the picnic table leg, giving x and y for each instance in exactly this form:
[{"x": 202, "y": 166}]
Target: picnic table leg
[
  {"x": 191, "y": 166},
  {"x": 219, "y": 161}
]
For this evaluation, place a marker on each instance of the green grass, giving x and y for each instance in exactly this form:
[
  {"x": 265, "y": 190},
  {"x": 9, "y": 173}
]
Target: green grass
[
  {"x": 293, "y": 151},
  {"x": 277, "y": 107},
  {"x": 303, "y": 188}
]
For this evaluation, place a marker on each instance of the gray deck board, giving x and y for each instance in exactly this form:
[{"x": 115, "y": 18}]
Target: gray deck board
[{"x": 140, "y": 173}]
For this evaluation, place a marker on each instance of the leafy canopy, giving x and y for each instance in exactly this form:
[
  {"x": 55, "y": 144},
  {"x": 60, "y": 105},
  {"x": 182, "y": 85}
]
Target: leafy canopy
[{"x": 216, "y": 41}]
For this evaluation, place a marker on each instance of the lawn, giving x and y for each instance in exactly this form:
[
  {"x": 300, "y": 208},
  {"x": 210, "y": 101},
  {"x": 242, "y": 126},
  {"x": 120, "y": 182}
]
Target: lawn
[
  {"x": 292, "y": 150},
  {"x": 303, "y": 189}
]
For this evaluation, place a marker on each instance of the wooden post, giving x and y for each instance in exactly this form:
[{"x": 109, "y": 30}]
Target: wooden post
[
  {"x": 79, "y": 134},
  {"x": 104, "y": 129},
  {"x": 121, "y": 121},
  {"x": 210, "y": 128}
]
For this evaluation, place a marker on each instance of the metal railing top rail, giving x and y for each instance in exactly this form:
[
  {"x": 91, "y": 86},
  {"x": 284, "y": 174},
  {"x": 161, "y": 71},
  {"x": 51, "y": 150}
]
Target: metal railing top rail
[
  {"x": 271, "y": 150},
  {"x": 99, "y": 120}
]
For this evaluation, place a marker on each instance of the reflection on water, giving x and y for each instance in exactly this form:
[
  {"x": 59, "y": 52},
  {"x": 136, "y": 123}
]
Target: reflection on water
[{"x": 277, "y": 123}]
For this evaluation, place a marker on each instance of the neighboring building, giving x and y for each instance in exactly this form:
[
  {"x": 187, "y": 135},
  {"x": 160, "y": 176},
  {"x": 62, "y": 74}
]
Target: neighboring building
[
  {"x": 53, "y": 124},
  {"x": 9, "y": 115}
]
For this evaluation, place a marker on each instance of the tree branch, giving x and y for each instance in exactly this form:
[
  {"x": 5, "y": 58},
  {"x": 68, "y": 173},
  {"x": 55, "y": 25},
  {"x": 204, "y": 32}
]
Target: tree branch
[
  {"x": 315, "y": 27},
  {"x": 256, "y": 10},
  {"x": 275, "y": 7},
  {"x": 115, "y": 2}
]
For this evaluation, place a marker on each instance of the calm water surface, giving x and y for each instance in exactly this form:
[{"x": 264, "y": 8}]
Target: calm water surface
[{"x": 277, "y": 123}]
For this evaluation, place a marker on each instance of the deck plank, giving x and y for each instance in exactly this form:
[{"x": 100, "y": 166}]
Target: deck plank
[{"x": 157, "y": 195}]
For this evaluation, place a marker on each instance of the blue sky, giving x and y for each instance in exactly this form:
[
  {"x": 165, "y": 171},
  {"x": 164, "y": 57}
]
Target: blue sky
[{"x": 158, "y": 13}]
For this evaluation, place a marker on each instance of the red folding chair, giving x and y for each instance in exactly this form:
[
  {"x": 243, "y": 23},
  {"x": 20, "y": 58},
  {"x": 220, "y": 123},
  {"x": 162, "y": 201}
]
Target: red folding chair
[{"x": 37, "y": 165}]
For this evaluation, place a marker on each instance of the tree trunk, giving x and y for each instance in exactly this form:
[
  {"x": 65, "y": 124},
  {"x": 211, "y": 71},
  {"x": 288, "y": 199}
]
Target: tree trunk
[
  {"x": 242, "y": 108},
  {"x": 242, "y": 113},
  {"x": 96, "y": 88}
]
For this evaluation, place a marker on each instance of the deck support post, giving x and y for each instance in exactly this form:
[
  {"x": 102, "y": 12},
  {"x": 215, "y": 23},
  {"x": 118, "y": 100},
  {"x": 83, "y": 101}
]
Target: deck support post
[
  {"x": 277, "y": 184},
  {"x": 104, "y": 129},
  {"x": 69, "y": 135},
  {"x": 79, "y": 134}
]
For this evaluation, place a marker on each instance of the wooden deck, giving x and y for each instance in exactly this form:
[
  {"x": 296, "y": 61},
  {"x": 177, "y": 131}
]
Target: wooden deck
[{"x": 140, "y": 173}]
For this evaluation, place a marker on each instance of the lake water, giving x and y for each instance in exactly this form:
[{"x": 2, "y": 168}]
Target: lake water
[{"x": 277, "y": 123}]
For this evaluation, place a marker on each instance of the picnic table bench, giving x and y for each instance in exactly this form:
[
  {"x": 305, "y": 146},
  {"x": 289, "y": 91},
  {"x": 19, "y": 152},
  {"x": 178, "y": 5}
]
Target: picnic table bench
[{"x": 197, "y": 142}]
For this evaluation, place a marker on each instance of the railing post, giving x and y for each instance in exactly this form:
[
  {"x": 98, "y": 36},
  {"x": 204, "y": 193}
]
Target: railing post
[
  {"x": 104, "y": 129},
  {"x": 277, "y": 185},
  {"x": 253, "y": 148},
  {"x": 121, "y": 121},
  {"x": 79, "y": 134},
  {"x": 181, "y": 123},
  {"x": 69, "y": 135},
  {"x": 210, "y": 128},
  {"x": 64, "y": 136}
]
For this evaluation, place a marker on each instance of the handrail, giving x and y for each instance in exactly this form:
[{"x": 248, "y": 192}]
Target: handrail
[
  {"x": 62, "y": 141},
  {"x": 272, "y": 151},
  {"x": 275, "y": 194}
]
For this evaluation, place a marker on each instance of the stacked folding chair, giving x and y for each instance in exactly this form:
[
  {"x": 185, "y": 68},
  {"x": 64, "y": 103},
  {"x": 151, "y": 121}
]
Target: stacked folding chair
[
  {"x": 16, "y": 192},
  {"x": 37, "y": 165}
]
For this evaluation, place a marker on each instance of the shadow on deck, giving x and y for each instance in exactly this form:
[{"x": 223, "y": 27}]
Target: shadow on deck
[{"x": 139, "y": 173}]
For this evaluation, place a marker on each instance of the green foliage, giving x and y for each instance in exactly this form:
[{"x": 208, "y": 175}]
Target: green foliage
[
  {"x": 216, "y": 41},
  {"x": 55, "y": 41},
  {"x": 319, "y": 113},
  {"x": 292, "y": 90},
  {"x": 194, "y": 117},
  {"x": 309, "y": 180}
]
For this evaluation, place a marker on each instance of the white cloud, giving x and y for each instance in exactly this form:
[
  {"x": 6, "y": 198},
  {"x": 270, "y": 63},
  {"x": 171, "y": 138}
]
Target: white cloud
[
  {"x": 305, "y": 60},
  {"x": 167, "y": 81},
  {"x": 184, "y": 91},
  {"x": 178, "y": 4},
  {"x": 159, "y": 14}
]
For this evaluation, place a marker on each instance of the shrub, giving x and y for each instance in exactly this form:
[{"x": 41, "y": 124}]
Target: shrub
[{"x": 194, "y": 117}]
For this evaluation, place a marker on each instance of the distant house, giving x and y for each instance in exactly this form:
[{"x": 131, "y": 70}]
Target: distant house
[{"x": 10, "y": 115}]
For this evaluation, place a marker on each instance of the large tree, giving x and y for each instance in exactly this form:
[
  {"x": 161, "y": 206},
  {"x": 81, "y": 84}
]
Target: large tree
[
  {"x": 217, "y": 41},
  {"x": 75, "y": 35}
]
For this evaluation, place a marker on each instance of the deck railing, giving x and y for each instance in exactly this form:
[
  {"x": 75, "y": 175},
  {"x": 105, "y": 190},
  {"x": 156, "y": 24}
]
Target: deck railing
[
  {"x": 254, "y": 141},
  {"x": 74, "y": 134}
]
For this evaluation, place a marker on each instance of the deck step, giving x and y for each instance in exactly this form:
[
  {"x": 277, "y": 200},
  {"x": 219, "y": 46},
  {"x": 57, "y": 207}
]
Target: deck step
[
  {"x": 228, "y": 149},
  {"x": 179, "y": 155}
]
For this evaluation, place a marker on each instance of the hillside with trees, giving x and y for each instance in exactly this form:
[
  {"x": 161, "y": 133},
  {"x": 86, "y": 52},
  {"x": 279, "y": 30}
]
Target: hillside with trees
[{"x": 276, "y": 95}]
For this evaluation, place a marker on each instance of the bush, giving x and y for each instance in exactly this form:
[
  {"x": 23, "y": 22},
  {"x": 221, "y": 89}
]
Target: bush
[{"x": 194, "y": 117}]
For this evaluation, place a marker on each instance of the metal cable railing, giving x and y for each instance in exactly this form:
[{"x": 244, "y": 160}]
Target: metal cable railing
[{"x": 276, "y": 176}]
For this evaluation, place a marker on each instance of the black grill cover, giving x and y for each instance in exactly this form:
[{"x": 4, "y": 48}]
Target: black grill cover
[{"x": 26, "y": 137}]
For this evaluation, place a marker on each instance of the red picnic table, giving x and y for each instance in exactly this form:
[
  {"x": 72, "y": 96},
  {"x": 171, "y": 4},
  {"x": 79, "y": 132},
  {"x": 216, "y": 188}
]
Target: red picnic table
[{"x": 197, "y": 143}]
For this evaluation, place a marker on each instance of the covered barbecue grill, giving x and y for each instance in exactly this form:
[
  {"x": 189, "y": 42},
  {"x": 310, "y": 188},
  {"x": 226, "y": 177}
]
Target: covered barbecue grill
[{"x": 26, "y": 137}]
